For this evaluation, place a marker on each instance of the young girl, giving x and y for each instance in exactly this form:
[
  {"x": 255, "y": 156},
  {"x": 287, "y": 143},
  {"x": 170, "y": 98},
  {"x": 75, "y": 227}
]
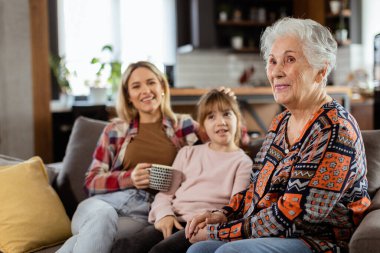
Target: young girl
[{"x": 205, "y": 177}]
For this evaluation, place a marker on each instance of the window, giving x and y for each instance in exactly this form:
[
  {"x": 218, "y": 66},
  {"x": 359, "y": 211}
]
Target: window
[{"x": 135, "y": 31}]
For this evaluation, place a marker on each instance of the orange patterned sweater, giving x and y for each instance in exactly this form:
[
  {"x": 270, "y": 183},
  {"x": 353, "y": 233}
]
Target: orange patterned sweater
[{"x": 315, "y": 190}]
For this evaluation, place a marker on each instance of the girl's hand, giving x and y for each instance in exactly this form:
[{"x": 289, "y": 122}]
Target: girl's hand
[
  {"x": 165, "y": 225},
  {"x": 140, "y": 175}
]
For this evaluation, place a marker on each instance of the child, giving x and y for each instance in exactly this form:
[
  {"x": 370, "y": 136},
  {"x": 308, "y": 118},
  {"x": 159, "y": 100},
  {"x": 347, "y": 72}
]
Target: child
[{"x": 204, "y": 178}]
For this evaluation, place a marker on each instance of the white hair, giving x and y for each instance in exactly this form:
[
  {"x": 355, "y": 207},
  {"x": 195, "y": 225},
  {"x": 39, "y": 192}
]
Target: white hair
[{"x": 318, "y": 44}]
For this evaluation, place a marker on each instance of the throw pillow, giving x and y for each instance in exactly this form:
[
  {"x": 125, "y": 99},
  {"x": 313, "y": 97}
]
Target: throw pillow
[
  {"x": 70, "y": 180},
  {"x": 31, "y": 214}
]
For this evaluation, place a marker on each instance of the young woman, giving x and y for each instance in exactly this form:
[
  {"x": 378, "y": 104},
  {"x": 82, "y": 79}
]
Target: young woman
[
  {"x": 118, "y": 179},
  {"x": 205, "y": 177}
]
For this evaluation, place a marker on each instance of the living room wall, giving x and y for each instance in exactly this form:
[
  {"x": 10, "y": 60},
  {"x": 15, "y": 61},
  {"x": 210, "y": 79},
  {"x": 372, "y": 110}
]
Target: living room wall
[{"x": 16, "y": 94}]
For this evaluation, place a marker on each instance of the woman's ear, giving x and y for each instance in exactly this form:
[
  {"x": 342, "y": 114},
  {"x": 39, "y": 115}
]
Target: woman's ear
[{"x": 321, "y": 75}]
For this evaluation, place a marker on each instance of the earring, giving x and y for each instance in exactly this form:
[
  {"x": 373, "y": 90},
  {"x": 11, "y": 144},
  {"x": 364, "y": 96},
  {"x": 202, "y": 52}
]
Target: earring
[{"x": 162, "y": 94}]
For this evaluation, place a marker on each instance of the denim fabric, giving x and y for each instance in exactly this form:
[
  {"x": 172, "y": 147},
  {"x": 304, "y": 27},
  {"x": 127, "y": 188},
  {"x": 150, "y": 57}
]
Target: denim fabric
[
  {"x": 129, "y": 203},
  {"x": 94, "y": 224},
  {"x": 258, "y": 245}
]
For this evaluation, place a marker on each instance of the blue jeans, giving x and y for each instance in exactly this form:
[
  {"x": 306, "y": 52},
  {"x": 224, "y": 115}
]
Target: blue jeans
[
  {"x": 258, "y": 245},
  {"x": 94, "y": 224}
]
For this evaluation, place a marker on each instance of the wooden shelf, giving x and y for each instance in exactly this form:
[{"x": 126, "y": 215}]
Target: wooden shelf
[
  {"x": 247, "y": 50},
  {"x": 344, "y": 13},
  {"x": 242, "y": 23}
]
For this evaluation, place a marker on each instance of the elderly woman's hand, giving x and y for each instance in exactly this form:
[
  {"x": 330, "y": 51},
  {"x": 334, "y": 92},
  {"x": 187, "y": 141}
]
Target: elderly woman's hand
[
  {"x": 198, "y": 222},
  {"x": 140, "y": 175},
  {"x": 201, "y": 235}
]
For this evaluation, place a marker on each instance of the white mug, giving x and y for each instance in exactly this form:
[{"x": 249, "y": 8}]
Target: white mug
[{"x": 160, "y": 177}]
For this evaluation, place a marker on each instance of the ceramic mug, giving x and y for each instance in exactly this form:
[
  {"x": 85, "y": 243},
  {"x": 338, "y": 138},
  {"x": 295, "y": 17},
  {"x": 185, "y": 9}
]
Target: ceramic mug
[
  {"x": 160, "y": 177},
  {"x": 335, "y": 7}
]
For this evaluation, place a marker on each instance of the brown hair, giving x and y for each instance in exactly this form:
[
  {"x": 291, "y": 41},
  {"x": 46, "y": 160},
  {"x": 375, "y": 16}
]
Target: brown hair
[
  {"x": 222, "y": 101},
  {"x": 126, "y": 110}
]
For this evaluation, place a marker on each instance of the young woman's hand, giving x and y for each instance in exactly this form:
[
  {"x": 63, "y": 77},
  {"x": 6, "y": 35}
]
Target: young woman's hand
[
  {"x": 140, "y": 175},
  {"x": 165, "y": 225}
]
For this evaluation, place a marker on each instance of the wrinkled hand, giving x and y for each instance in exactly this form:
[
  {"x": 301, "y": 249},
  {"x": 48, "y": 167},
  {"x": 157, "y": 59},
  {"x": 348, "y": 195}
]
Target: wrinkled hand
[
  {"x": 201, "y": 235},
  {"x": 227, "y": 91},
  {"x": 165, "y": 225},
  {"x": 198, "y": 222},
  {"x": 140, "y": 175}
]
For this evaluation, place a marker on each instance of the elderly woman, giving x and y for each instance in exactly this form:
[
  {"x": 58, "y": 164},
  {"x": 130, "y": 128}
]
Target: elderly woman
[{"x": 308, "y": 189}]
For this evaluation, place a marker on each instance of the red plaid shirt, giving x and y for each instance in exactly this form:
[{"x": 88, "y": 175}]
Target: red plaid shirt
[{"x": 107, "y": 173}]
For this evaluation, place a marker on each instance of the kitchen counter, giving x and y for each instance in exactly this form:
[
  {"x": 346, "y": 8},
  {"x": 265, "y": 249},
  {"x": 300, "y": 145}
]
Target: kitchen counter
[
  {"x": 251, "y": 100},
  {"x": 253, "y": 95}
]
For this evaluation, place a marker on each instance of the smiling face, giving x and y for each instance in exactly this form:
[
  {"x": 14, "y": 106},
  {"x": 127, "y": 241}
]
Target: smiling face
[
  {"x": 145, "y": 93},
  {"x": 293, "y": 80},
  {"x": 221, "y": 127}
]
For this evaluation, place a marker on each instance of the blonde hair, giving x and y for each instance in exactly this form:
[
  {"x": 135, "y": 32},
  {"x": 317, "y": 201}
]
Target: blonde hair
[
  {"x": 125, "y": 110},
  {"x": 222, "y": 101}
]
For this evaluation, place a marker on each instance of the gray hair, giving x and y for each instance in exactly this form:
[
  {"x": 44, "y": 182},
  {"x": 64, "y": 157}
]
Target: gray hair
[{"x": 318, "y": 44}]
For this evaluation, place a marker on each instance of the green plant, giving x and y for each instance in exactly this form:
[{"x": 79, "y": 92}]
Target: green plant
[
  {"x": 61, "y": 72},
  {"x": 114, "y": 67}
]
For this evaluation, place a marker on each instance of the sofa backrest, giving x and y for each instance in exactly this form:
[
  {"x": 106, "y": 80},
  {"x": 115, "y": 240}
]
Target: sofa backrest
[
  {"x": 85, "y": 134},
  {"x": 371, "y": 140},
  {"x": 70, "y": 180}
]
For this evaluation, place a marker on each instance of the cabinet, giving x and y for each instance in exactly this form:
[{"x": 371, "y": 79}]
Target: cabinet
[
  {"x": 345, "y": 23},
  {"x": 214, "y": 23},
  {"x": 363, "y": 112},
  {"x": 201, "y": 22},
  {"x": 239, "y": 24}
]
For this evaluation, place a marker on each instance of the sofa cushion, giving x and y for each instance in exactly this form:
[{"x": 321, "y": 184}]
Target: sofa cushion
[
  {"x": 31, "y": 214},
  {"x": 78, "y": 157},
  {"x": 367, "y": 236},
  {"x": 371, "y": 140}
]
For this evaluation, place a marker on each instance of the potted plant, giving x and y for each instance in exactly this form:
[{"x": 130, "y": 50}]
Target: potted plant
[
  {"x": 61, "y": 72},
  {"x": 110, "y": 68}
]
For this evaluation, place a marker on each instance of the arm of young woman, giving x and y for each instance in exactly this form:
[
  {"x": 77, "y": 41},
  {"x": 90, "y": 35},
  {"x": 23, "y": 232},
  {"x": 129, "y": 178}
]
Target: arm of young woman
[
  {"x": 106, "y": 173},
  {"x": 162, "y": 213}
]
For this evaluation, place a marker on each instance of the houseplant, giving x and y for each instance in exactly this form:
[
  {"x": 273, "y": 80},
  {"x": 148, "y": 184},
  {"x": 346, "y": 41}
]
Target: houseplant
[
  {"x": 62, "y": 75},
  {"x": 61, "y": 72},
  {"x": 110, "y": 69}
]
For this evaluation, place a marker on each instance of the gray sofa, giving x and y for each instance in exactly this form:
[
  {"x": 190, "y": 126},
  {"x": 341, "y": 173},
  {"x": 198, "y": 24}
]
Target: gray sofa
[{"x": 67, "y": 179}]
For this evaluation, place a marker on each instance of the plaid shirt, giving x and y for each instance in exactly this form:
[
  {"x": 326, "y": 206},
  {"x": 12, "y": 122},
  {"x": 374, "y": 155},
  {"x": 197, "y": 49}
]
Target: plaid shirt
[
  {"x": 315, "y": 190},
  {"x": 107, "y": 173}
]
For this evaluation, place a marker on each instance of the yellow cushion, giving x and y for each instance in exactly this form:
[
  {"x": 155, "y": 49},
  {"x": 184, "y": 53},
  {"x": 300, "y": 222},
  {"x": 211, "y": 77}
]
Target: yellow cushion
[{"x": 31, "y": 214}]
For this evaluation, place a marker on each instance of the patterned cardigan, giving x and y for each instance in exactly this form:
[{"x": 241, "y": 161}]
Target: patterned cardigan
[{"x": 315, "y": 190}]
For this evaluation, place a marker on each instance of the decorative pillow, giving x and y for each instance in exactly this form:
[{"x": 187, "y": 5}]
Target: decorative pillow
[
  {"x": 78, "y": 157},
  {"x": 31, "y": 214}
]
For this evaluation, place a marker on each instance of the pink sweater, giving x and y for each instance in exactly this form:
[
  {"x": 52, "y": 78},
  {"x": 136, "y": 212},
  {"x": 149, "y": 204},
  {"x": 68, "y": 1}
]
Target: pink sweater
[{"x": 203, "y": 179}]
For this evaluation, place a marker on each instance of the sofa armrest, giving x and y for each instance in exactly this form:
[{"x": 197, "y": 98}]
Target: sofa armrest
[{"x": 366, "y": 238}]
